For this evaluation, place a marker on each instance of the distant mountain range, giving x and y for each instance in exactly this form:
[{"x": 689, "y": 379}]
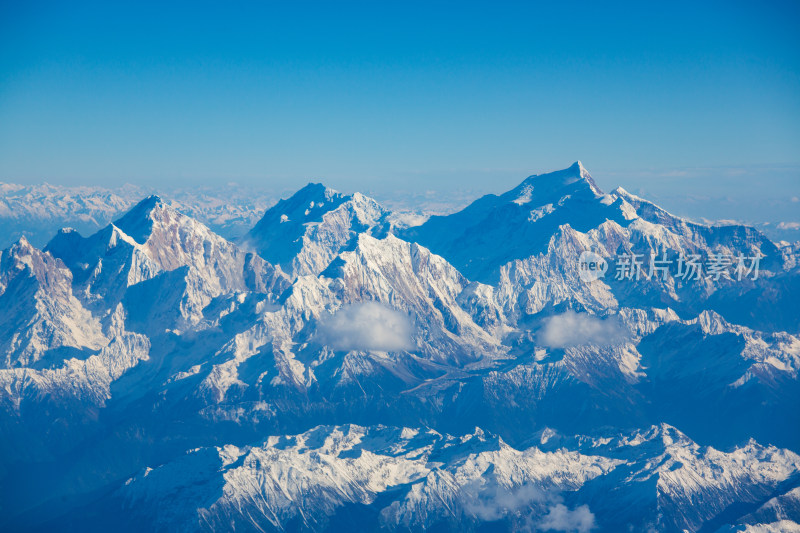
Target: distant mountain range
[
  {"x": 330, "y": 367},
  {"x": 38, "y": 212}
]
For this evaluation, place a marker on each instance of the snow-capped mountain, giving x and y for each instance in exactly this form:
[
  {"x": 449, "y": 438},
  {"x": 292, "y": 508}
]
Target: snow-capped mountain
[
  {"x": 304, "y": 233},
  {"x": 656, "y": 478},
  {"x": 333, "y": 370},
  {"x": 40, "y": 312},
  {"x": 38, "y": 212},
  {"x": 156, "y": 249}
]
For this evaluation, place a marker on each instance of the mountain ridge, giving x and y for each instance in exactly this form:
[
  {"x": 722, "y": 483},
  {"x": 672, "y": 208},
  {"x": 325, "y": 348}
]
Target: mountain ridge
[{"x": 200, "y": 348}]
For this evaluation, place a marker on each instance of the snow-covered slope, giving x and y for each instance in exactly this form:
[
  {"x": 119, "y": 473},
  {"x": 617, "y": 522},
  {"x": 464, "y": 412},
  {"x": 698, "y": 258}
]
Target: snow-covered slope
[
  {"x": 156, "y": 375},
  {"x": 403, "y": 478},
  {"x": 304, "y": 233},
  {"x": 147, "y": 248},
  {"x": 55, "y": 350},
  {"x": 527, "y": 242},
  {"x": 39, "y": 211},
  {"x": 38, "y": 312},
  {"x": 495, "y": 230}
]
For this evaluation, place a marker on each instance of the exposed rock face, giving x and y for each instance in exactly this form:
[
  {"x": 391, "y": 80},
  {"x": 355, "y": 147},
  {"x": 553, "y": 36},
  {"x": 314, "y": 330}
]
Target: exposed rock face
[{"x": 332, "y": 370}]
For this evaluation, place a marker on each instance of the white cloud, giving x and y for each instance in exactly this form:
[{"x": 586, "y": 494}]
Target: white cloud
[
  {"x": 789, "y": 225},
  {"x": 560, "y": 518},
  {"x": 368, "y": 326},
  {"x": 407, "y": 219},
  {"x": 573, "y": 329},
  {"x": 490, "y": 501}
]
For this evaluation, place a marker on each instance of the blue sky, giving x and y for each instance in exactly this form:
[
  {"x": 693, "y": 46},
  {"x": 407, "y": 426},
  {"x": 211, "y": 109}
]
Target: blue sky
[{"x": 666, "y": 98}]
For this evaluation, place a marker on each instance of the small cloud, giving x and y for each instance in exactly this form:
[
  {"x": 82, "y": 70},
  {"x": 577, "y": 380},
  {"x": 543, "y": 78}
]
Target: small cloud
[
  {"x": 368, "y": 326},
  {"x": 789, "y": 225},
  {"x": 407, "y": 219},
  {"x": 489, "y": 501},
  {"x": 795, "y": 199},
  {"x": 560, "y": 518},
  {"x": 728, "y": 222},
  {"x": 573, "y": 329}
]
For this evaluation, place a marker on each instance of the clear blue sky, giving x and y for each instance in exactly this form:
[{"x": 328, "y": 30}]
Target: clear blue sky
[{"x": 375, "y": 94}]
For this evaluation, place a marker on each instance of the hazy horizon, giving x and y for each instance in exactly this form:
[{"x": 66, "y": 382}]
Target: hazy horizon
[
  {"x": 723, "y": 194},
  {"x": 696, "y": 107}
]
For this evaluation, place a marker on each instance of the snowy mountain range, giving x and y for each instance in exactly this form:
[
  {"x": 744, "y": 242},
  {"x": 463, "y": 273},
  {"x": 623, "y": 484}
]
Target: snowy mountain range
[
  {"x": 335, "y": 369},
  {"x": 37, "y": 212}
]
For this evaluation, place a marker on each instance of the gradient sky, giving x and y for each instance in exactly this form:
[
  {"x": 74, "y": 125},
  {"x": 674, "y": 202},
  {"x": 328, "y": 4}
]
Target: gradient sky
[{"x": 663, "y": 98}]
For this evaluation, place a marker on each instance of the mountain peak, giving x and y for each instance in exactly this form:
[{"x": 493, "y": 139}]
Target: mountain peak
[
  {"x": 298, "y": 234},
  {"x": 148, "y": 203},
  {"x": 22, "y": 253},
  {"x": 624, "y": 193},
  {"x": 306, "y": 205},
  {"x": 494, "y": 230},
  {"x": 316, "y": 192},
  {"x": 553, "y": 186},
  {"x": 312, "y": 187},
  {"x": 138, "y": 221},
  {"x": 22, "y": 248}
]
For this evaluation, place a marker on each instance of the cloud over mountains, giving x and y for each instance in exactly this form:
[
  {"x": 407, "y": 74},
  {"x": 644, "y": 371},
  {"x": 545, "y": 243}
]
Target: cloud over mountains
[
  {"x": 368, "y": 326},
  {"x": 574, "y": 329}
]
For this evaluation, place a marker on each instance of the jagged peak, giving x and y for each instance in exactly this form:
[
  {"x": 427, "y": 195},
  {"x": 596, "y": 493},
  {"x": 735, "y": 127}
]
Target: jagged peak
[
  {"x": 22, "y": 253},
  {"x": 627, "y": 195},
  {"x": 315, "y": 192},
  {"x": 663, "y": 432},
  {"x": 23, "y": 242},
  {"x": 313, "y": 187},
  {"x": 636, "y": 203},
  {"x": 23, "y": 248},
  {"x": 366, "y": 207},
  {"x": 138, "y": 222},
  {"x": 552, "y": 182},
  {"x": 310, "y": 204},
  {"x": 148, "y": 203},
  {"x": 361, "y": 198},
  {"x": 584, "y": 175},
  {"x": 304, "y": 205}
]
